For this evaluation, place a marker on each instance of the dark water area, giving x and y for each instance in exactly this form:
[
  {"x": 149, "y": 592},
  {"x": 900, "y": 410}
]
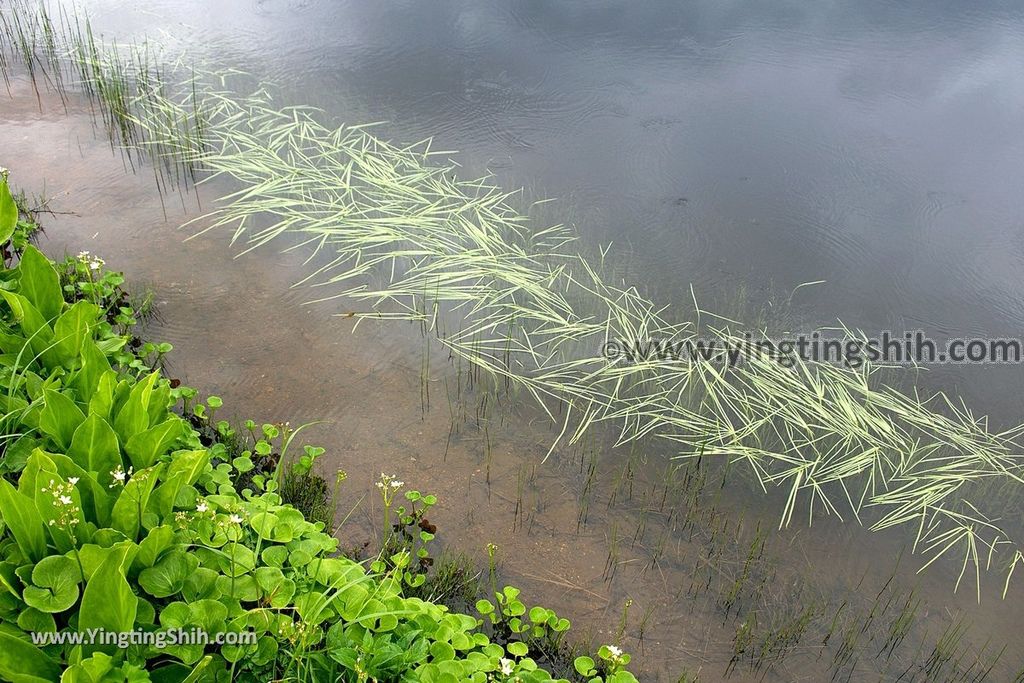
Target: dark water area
[
  {"x": 873, "y": 145},
  {"x": 739, "y": 148}
]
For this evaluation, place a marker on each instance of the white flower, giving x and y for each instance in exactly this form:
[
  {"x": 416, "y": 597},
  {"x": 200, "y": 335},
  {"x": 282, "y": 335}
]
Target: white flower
[
  {"x": 72, "y": 480},
  {"x": 507, "y": 666},
  {"x": 83, "y": 255},
  {"x": 119, "y": 476},
  {"x": 397, "y": 484},
  {"x": 65, "y": 500},
  {"x": 614, "y": 651},
  {"x": 235, "y": 519},
  {"x": 202, "y": 507}
]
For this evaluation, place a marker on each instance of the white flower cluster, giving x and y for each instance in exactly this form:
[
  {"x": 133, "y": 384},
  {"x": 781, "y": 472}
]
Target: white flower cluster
[
  {"x": 615, "y": 654},
  {"x": 120, "y": 476},
  {"x": 391, "y": 482},
  {"x": 63, "y": 502},
  {"x": 94, "y": 262}
]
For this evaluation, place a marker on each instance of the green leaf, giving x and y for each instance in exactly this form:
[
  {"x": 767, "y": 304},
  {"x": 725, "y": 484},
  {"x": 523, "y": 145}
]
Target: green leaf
[
  {"x": 96, "y": 502},
  {"x": 518, "y": 649},
  {"x": 23, "y": 662},
  {"x": 275, "y": 555},
  {"x": 90, "y": 670},
  {"x": 60, "y": 417},
  {"x": 153, "y": 545},
  {"x": 40, "y": 283},
  {"x": 49, "y": 509},
  {"x": 8, "y": 212},
  {"x": 54, "y": 586},
  {"x": 126, "y": 516},
  {"x": 108, "y": 602},
  {"x": 133, "y": 417},
  {"x": 22, "y": 518},
  {"x": 94, "y": 365},
  {"x": 183, "y": 470},
  {"x": 94, "y": 447},
  {"x": 73, "y": 328},
  {"x": 200, "y": 584},
  {"x": 196, "y": 674},
  {"x": 33, "y": 325},
  {"x": 102, "y": 401},
  {"x": 583, "y": 665},
  {"x": 145, "y": 447},
  {"x": 166, "y": 577},
  {"x": 263, "y": 524},
  {"x": 32, "y": 619}
]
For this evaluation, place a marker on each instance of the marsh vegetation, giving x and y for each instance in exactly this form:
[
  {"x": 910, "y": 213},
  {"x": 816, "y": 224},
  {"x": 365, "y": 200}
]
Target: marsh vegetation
[{"x": 518, "y": 311}]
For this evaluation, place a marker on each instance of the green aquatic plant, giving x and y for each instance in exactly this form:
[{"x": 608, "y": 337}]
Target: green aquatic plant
[
  {"x": 392, "y": 229},
  {"x": 124, "y": 519}
]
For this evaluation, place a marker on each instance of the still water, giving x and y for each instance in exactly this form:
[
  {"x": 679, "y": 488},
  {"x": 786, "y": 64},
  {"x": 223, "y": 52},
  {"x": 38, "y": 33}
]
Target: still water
[
  {"x": 737, "y": 147},
  {"x": 873, "y": 145}
]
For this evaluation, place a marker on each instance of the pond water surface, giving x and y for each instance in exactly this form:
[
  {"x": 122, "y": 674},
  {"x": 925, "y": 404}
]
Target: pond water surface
[{"x": 738, "y": 147}]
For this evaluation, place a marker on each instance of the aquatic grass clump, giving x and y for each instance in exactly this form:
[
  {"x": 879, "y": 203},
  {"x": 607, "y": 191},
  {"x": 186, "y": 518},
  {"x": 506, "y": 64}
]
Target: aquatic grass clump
[
  {"x": 125, "y": 84},
  {"x": 393, "y": 229}
]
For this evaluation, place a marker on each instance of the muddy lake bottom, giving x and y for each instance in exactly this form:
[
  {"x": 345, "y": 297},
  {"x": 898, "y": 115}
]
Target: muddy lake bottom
[{"x": 713, "y": 588}]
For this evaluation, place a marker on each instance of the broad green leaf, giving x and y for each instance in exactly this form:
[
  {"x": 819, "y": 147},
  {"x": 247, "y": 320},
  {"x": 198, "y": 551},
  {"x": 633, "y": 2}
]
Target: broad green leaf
[
  {"x": 208, "y": 615},
  {"x": 145, "y": 447},
  {"x": 54, "y": 586},
  {"x": 275, "y": 555},
  {"x": 133, "y": 416},
  {"x": 167, "y": 576},
  {"x": 237, "y": 560},
  {"x": 159, "y": 400},
  {"x": 108, "y": 602},
  {"x": 96, "y": 499},
  {"x": 94, "y": 447},
  {"x": 8, "y": 212},
  {"x": 40, "y": 283},
  {"x": 126, "y": 516},
  {"x": 153, "y": 545},
  {"x": 263, "y": 524},
  {"x": 16, "y": 304},
  {"x": 102, "y": 401},
  {"x": 60, "y": 417},
  {"x": 33, "y": 620},
  {"x": 94, "y": 366},
  {"x": 23, "y": 662},
  {"x": 91, "y": 670},
  {"x": 22, "y": 518},
  {"x": 72, "y": 329},
  {"x": 201, "y": 583},
  {"x": 34, "y": 326},
  {"x": 9, "y": 579},
  {"x": 183, "y": 469}
]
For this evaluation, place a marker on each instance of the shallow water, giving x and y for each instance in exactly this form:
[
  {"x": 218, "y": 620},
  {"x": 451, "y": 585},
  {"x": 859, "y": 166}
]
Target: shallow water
[{"x": 722, "y": 146}]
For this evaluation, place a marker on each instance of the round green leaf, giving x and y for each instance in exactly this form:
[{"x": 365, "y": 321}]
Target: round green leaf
[{"x": 54, "y": 584}]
